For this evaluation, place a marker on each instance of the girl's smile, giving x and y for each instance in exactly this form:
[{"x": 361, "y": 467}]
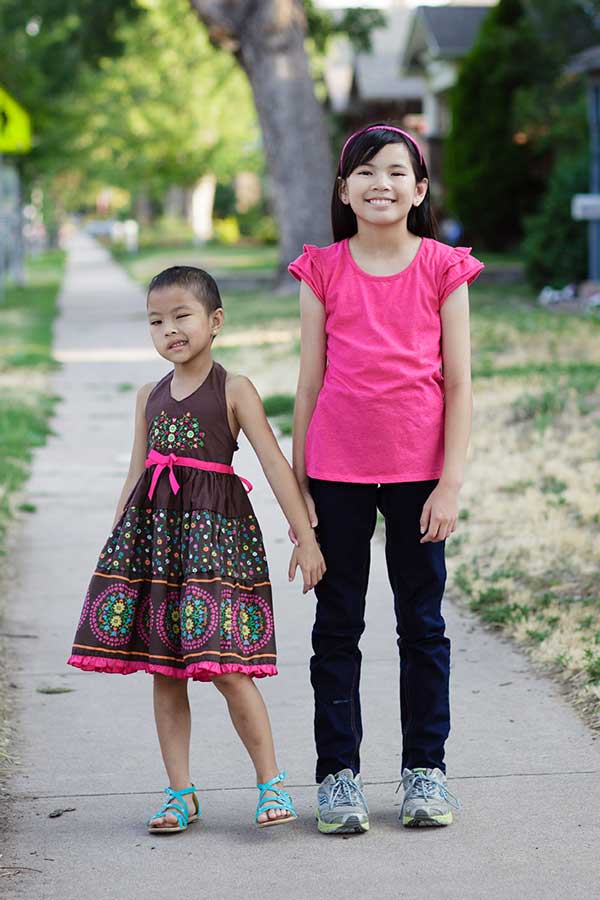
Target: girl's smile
[
  {"x": 177, "y": 345},
  {"x": 386, "y": 184}
]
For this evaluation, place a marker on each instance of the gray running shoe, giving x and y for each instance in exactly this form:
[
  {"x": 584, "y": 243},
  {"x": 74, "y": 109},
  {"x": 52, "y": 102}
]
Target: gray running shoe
[
  {"x": 341, "y": 806},
  {"x": 427, "y": 800}
]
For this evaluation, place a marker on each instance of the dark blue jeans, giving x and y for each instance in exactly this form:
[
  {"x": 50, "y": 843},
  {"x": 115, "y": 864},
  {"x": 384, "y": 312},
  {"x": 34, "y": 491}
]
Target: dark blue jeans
[{"x": 347, "y": 515}]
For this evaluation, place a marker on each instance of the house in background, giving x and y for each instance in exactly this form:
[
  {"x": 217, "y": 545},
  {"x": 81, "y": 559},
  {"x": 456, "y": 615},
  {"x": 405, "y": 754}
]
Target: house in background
[
  {"x": 369, "y": 87},
  {"x": 408, "y": 73},
  {"x": 438, "y": 39}
]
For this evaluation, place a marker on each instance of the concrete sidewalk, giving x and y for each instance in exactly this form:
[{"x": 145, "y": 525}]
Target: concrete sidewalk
[{"x": 525, "y": 768}]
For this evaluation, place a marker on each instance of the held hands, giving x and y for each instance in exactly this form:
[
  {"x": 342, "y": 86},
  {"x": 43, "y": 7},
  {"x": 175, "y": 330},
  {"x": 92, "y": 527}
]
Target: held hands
[
  {"x": 308, "y": 556},
  {"x": 440, "y": 512}
]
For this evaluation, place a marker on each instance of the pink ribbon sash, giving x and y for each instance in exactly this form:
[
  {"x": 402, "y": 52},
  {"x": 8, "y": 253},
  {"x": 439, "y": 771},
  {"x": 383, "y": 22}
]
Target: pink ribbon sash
[{"x": 162, "y": 462}]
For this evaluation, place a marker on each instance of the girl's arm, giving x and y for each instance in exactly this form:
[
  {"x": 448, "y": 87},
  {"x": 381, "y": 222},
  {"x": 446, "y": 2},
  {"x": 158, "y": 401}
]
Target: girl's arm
[
  {"x": 247, "y": 407},
  {"x": 138, "y": 452},
  {"x": 310, "y": 382},
  {"x": 440, "y": 512}
]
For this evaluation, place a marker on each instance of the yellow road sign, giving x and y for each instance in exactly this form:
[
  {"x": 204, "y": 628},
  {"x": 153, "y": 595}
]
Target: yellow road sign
[{"x": 15, "y": 128}]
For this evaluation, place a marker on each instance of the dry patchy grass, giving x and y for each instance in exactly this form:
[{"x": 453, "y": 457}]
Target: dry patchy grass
[{"x": 526, "y": 555}]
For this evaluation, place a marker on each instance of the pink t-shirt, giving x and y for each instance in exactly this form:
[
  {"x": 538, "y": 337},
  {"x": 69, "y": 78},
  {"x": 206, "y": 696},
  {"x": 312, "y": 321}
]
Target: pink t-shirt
[{"x": 379, "y": 416}]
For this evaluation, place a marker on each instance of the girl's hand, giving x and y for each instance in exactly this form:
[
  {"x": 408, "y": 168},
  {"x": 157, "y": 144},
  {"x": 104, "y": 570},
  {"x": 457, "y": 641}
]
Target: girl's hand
[
  {"x": 308, "y": 556},
  {"x": 440, "y": 512},
  {"x": 312, "y": 515}
]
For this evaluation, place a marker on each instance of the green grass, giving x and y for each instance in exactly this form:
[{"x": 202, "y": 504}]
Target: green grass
[
  {"x": 247, "y": 309},
  {"x": 218, "y": 259},
  {"x": 26, "y": 320},
  {"x": 27, "y": 314},
  {"x": 244, "y": 309}
]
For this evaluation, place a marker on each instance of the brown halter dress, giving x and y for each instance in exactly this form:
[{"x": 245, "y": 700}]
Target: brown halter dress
[{"x": 182, "y": 584}]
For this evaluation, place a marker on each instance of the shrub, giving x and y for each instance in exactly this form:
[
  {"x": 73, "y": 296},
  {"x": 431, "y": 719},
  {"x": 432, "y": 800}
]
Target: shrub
[{"x": 555, "y": 246}]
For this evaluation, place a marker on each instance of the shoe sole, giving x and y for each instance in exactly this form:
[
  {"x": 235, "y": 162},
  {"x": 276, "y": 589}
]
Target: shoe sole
[
  {"x": 352, "y": 825},
  {"x": 427, "y": 821},
  {"x": 173, "y": 829},
  {"x": 280, "y": 820}
]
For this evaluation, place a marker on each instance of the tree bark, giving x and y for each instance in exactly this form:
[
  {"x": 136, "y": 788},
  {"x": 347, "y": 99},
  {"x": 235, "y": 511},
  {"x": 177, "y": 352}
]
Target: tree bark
[{"x": 267, "y": 37}]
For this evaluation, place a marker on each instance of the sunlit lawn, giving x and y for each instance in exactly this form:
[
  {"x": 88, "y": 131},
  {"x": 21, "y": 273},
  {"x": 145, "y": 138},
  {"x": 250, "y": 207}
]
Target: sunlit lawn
[
  {"x": 248, "y": 260},
  {"x": 26, "y": 317}
]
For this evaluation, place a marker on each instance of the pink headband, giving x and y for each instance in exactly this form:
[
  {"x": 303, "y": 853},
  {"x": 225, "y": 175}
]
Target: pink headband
[{"x": 384, "y": 128}]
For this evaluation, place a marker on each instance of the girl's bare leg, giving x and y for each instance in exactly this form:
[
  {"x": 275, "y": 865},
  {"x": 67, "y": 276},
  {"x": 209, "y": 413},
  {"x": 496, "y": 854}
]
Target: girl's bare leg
[
  {"x": 174, "y": 726},
  {"x": 251, "y": 721}
]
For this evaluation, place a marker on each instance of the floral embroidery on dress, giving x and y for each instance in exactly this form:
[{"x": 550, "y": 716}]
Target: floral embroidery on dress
[
  {"x": 159, "y": 542},
  {"x": 113, "y": 614},
  {"x": 199, "y": 617},
  {"x": 169, "y": 433}
]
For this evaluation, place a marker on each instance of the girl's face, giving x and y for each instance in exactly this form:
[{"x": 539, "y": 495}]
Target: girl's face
[
  {"x": 180, "y": 326},
  {"x": 383, "y": 190}
]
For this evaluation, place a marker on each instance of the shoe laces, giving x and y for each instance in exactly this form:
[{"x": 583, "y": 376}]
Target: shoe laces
[
  {"x": 424, "y": 787},
  {"x": 345, "y": 790}
]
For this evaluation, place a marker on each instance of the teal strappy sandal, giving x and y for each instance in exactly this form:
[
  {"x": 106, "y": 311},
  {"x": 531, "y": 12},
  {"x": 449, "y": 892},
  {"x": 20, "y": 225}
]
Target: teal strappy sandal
[
  {"x": 176, "y": 805},
  {"x": 281, "y": 800}
]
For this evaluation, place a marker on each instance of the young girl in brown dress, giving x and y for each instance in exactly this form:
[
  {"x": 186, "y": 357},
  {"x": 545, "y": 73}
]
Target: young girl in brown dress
[{"x": 181, "y": 589}]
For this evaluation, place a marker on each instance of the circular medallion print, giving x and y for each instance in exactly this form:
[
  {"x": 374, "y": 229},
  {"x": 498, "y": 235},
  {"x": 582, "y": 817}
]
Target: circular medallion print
[
  {"x": 252, "y": 623},
  {"x": 113, "y": 614},
  {"x": 199, "y": 617}
]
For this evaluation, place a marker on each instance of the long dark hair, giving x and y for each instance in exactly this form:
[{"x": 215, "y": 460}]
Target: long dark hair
[{"x": 359, "y": 150}]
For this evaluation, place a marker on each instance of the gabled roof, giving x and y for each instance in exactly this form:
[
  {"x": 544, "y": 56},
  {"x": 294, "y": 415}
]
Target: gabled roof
[
  {"x": 446, "y": 32},
  {"x": 375, "y": 75}
]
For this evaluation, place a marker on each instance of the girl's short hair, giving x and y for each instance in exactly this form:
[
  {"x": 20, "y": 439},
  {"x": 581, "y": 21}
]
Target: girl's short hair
[
  {"x": 360, "y": 149},
  {"x": 198, "y": 282}
]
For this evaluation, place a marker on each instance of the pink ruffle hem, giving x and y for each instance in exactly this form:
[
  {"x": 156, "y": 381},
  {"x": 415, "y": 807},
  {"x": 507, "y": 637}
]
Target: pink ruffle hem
[{"x": 203, "y": 671}]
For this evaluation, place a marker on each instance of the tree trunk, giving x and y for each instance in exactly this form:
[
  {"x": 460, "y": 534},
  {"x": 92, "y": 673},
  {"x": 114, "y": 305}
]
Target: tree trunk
[
  {"x": 203, "y": 201},
  {"x": 267, "y": 37},
  {"x": 174, "y": 202}
]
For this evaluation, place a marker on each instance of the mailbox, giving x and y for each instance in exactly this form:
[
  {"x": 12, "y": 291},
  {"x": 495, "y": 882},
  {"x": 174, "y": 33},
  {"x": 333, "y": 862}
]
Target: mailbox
[{"x": 586, "y": 207}]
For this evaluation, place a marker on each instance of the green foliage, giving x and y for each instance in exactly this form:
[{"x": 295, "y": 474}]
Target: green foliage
[
  {"x": 278, "y": 404},
  {"x": 258, "y": 224},
  {"x": 161, "y": 114},
  {"x": 356, "y": 24},
  {"x": 592, "y": 666},
  {"x": 227, "y": 231},
  {"x": 555, "y": 244},
  {"x": 514, "y": 111},
  {"x": 44, "y": 46},
  {"x": 491, "y": 177}
]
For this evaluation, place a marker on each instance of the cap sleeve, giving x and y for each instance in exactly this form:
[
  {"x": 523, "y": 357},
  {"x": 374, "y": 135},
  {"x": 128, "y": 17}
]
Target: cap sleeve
[
  {"x": 458, "y": 268},
  {"x": 307, "y": 268}
]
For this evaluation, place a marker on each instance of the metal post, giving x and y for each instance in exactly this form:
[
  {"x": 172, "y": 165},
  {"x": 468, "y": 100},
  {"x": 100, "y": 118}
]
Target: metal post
[{"x": 594, "y": 225}]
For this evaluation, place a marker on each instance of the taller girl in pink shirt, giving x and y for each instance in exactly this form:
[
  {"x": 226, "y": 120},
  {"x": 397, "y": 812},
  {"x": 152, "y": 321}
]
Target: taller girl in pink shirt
[{"x": 382, "y": 421}]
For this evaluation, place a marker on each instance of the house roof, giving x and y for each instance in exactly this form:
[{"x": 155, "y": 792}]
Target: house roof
[
  {"x": 446, "y": 32},
  {"x": 374, "y": 75}
]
